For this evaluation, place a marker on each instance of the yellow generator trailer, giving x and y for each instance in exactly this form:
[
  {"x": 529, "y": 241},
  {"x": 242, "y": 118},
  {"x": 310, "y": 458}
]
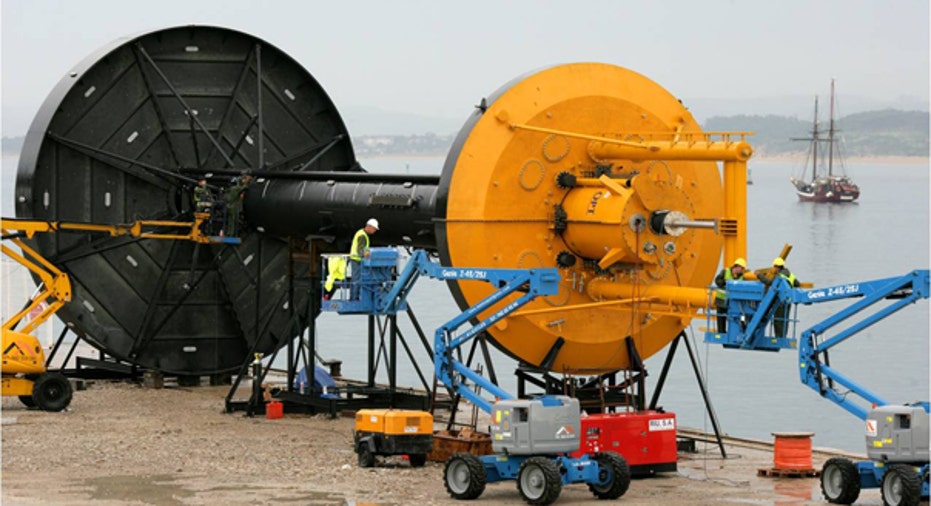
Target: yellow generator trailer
[{"x": 393, "y": 432}]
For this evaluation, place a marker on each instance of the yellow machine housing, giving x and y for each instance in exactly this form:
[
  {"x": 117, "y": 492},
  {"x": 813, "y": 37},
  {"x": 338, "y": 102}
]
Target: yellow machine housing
[
  {"x": 394, "y": 422},
  {"x": 393, "y": 432}
]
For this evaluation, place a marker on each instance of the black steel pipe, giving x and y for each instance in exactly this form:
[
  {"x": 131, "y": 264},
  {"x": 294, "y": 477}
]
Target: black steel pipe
[
  {"x": 324, "y": 176},
  {"x": 335, "y": 210}
]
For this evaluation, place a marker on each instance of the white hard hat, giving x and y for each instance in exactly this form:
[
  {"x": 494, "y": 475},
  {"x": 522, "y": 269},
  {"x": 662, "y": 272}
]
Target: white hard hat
[{"x": 372, "y": 223}]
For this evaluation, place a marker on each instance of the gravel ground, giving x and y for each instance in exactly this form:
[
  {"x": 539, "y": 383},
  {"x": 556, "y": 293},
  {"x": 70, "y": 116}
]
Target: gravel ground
[{"x": 121, "y": 444}]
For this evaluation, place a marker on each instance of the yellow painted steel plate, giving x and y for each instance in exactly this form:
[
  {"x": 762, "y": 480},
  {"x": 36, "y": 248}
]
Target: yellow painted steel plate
[{"x": 500, "y": 183}]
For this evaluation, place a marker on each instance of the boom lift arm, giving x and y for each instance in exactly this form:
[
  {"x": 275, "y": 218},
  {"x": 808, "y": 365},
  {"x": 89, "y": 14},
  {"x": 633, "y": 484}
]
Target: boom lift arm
[
  {"x": 897, "y": 436},
  {"x": 532, "y": 282},
  {"x": 55, "y": 284},
  {"x": 532, "y": 438},
  {"x": 378, "y": 293},
  {"x": 817, "y": 373},
  {"x": 752, "y": 307},
  {"x": 24, "y": 370}
]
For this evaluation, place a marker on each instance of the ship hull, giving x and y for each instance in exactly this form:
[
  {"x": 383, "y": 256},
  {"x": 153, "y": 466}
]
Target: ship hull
[{"x": 826, "y": 192}]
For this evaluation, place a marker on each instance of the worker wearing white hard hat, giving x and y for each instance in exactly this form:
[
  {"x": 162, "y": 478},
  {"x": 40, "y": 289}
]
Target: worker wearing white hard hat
[
  {"x": 734, "y": 272},
  {"x": 361, "y": 243}
]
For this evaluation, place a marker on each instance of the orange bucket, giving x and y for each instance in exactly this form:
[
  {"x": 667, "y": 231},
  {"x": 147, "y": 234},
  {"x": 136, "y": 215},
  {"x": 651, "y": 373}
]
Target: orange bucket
[
  {"x": 274, "y": 410},
  {"x": 792, "y": 450}
]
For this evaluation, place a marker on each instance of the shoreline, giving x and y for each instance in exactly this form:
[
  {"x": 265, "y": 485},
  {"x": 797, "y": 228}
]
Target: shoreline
[
  {"x": 865, "y": 160},
  {"x": 786, "y": 158}
]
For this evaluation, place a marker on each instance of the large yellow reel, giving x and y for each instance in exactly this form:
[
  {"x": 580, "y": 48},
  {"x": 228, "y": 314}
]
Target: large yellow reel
[{"x": 581, "y": 167}]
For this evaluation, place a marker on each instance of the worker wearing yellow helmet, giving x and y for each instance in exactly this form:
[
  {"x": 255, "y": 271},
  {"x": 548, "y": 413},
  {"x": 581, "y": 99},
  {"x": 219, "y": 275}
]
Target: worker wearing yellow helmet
[
  {"x": 734, "y": 272},
  {"x": 781, "y": 315}
]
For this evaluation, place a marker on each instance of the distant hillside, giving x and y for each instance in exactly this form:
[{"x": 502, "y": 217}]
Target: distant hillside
[{"x": 888, "y": 132}]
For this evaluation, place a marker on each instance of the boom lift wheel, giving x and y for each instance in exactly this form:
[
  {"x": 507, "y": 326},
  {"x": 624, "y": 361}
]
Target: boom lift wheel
[
  {"x": 538, "y": 480},
  {"x": 614, "y": 476},
  {"x": 52, "y": 392},
  {"x": 840, "y": 481},
  {"x": 901, "y": 486},
  {"x": 464, "y": 476}
]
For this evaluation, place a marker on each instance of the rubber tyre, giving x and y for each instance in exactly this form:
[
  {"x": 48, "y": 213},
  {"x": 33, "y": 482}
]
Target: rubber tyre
[
  {"x": 366, "y": 458},
  {"x": 614, "y": 475},
  {"x": 901, "y": 486},
  {"x": 840, "y": 481},
  {"x": 417, "y": 459},
  {"x": 27, "y": 401},
  {"x": 52, "y": 392},
  {"x": 464, "y": 476},
  {"x": 538, "y": 480}
]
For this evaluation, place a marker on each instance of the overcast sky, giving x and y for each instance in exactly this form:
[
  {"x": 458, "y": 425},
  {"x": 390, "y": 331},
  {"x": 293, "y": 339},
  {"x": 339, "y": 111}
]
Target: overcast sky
[{"x": 439, "y": 58}]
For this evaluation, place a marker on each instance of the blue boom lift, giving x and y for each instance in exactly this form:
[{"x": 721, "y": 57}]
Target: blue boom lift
[
  {"x": 896, "y": 435},
  {"x": 531, "y": 438}
]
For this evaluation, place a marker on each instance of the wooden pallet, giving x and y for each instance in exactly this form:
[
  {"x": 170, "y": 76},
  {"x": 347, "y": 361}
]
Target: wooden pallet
[
  {"x": 788, "y": 473},
  {"x": 466, "y": 440}
]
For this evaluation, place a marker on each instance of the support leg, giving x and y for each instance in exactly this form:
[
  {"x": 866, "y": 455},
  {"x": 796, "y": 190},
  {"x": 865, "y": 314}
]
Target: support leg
[
  {"x": 704, "y": 395},
  {"x": 662, "y": 375}
]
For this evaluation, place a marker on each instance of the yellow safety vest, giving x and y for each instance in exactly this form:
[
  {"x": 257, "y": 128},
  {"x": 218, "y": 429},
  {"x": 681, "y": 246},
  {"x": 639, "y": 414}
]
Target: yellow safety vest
[
  {"x": 336, "y": 271},
  {"x": 790, "y": 278},
  {"x": 354, "y": 253},
  {"x": 721, "y": 293}
]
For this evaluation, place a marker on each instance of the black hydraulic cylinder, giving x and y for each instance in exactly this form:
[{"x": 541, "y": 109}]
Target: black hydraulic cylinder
[{"x": 334, "y": 206}]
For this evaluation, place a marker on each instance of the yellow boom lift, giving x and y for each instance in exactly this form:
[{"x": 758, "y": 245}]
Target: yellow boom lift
[{"x": 24, "y": 371}]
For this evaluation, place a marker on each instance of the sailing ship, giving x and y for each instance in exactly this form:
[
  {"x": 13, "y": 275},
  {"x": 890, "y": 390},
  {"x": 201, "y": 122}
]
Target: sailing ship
[{"x": 828, "y": 182}]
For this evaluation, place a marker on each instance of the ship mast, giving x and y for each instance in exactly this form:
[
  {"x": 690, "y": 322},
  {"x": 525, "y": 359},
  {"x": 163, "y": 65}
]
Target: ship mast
[
  {"x": 831, "y": 135},
  {"x": 814, "y": 144}
]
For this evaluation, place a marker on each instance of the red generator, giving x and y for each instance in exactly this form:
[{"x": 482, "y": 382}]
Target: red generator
[{"x": 646, "y": 439}]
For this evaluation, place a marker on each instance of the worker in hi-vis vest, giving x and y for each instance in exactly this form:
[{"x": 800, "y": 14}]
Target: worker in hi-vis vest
[
  {"x": 781, "y": 315},
  {"x": 336, "y": 271},
  {"x": 734, "y": 272},
  {"x": 360, "y": 250}
]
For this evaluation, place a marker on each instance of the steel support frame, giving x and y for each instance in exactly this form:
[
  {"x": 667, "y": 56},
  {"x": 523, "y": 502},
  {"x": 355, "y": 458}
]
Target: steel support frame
[
  {"x": 654, "y": 402},
  {"x": 370, "y": 395}
]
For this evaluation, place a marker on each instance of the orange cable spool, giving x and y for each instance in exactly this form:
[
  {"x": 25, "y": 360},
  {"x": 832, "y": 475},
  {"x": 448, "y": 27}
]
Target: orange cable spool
[{"x": 792, "y": 451}]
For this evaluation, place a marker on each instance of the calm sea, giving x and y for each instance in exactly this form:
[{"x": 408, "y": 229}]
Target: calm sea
[{"x": 753, "y": 393}]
